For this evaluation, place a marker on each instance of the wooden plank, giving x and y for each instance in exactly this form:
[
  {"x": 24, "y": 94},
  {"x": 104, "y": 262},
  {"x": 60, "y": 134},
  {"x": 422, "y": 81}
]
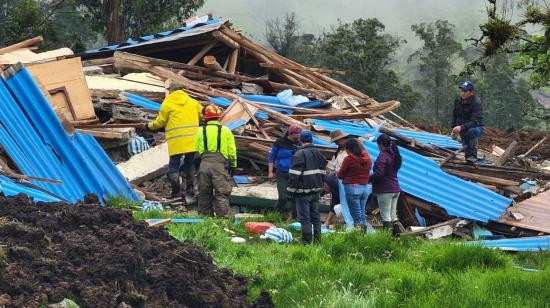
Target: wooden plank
[
  {"x": 23, "y": 44},
  {"x": 77, "y": 105},
  {"x": 253, "y": 118},
  {"x": 482, "y": 178},
  {"x": 535, "y": 146}
]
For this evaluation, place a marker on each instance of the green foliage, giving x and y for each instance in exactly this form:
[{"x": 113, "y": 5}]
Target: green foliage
[
  {"x": 120, "y": 202},
  {"x": 362, "y": 50},
  {"x": 500, "y": 34},
  {"x": 435, "y": 69},
  {"x": 373, "y": 270},
  {"x": 506, "y": 100}
]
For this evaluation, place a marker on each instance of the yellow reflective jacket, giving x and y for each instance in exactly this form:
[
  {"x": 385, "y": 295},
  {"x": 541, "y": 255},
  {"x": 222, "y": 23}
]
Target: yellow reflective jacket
[
  {"x": 179, "y": 115},
  {"x": 227, "y": 141}
]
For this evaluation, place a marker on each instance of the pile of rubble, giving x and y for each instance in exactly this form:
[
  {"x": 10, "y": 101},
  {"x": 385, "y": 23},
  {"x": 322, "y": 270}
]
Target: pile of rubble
[{"x": 118, "y": 86}]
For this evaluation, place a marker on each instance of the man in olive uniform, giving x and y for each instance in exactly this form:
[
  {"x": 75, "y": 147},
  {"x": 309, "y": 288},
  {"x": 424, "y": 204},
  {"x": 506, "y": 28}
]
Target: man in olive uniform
[{"x": 216, "y": 146}]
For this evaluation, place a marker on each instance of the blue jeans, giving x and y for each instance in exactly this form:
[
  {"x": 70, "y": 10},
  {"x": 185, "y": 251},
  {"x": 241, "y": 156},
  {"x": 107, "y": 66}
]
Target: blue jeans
[
  {"x": 174, "y": 166},
  {"x": 356, "y": 196},
  {"x": 470, "y": 139}
]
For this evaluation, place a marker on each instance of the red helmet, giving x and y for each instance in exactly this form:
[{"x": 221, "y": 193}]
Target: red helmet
[{"x": 212, "y": 112}]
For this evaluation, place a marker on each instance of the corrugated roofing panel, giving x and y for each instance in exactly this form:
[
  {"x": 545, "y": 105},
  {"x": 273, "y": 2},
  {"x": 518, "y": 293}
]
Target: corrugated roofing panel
[
  {"x": 34, "y": 138},
  {"x": 517, "y": 244},
  {"x": 164, "y": 36},
  {"x": 10, "y": 188},
  {"x": 360, "y": 129},
  {"x": 143, "y": 102},
  {"x": 422, "y": 178}
]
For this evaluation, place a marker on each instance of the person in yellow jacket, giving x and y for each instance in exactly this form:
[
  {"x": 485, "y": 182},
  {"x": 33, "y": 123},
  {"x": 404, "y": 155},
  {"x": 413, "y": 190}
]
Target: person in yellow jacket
[
  {"x": 179, "y": 115},
  {"x": 216, "y": 146}
]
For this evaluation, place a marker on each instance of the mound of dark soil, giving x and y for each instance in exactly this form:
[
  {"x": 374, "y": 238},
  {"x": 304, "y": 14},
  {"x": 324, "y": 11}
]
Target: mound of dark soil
[{"x": 101, "y": 257}]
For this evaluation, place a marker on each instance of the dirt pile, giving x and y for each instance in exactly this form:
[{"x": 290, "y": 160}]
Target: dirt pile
[
  {"x": 102, "y": 258},
  {"x": 525, "y": 137}
]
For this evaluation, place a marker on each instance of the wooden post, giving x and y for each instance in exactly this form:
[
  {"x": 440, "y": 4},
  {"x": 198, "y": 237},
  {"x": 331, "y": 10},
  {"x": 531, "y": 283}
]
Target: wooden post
[
  {"x": 253, "y": 118},
  {"x": 508, "y": 153},
  {"x": 233, "y": 61},
  {"x": 23, "y": 44},
  {"x": 201, "y": 53}
]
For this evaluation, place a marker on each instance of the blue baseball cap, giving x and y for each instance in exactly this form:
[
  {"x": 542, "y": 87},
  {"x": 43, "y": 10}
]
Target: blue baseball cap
[
  {"x": 306, "y": 136},
  {"x": 466, "y": 86}
]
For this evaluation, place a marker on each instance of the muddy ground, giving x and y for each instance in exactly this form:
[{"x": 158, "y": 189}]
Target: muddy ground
[{"x": 102, "y": 258}]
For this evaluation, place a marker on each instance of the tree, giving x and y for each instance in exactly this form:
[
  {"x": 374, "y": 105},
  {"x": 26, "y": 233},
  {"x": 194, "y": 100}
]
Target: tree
[
  {"x": 362, "y": 50},
  {"x": 120, "y": 19},
  {"x": 507, "y": 102},
  {"x": 435, "y": 68},
  {"x": 282, "y": 36},
  {"x": 500, "y": 34}
]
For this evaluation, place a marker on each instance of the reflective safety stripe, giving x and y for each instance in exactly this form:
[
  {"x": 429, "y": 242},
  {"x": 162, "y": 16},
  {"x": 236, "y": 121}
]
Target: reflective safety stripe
[
  {"x": 180, "y": 136},
  {"x": 292, "y": 171},
  {"x": 316, "y": 171},
  {"x": 179, "y": 127},
  {"x": 303, "y": 191}
]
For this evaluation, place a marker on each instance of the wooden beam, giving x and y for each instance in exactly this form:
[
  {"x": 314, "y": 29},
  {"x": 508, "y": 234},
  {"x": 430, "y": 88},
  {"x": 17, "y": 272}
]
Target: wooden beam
[
  {"x": 451, "y": 156},
  {"x": 482, "y": 178},
  {"x": 508, "y": 153},
  {"x": 232, "y": 67},
  {"x": 225, "y": 39},
  {"x": 253, "y": 118},
  {"x": 534, "y": 147},
  {"x": 301, "y": 69},
  {"x": 201, "y": 53},
  {"x": 23, "y": 44},
  {"x": 212, "y": 63},
  {"x": 124, "y": 60}
]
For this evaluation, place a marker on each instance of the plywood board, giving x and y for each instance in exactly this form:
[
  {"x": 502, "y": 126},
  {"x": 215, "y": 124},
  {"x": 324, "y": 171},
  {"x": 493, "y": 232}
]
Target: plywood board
[
  {"x": 26, "y": 56},
  {"x": 236, "y": 112},
  {"x": 535, "y": 212},
  {"x": 66, "y": 73}
]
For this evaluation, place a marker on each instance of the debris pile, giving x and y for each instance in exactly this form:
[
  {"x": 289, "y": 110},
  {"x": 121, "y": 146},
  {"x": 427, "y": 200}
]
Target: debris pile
[
  {"x": 262, "y": 94},
  {"x": 102, "y": 257}
]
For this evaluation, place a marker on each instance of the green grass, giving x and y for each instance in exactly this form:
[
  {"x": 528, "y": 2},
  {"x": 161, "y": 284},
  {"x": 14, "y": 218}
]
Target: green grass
[{"x": 372, "y": 270}]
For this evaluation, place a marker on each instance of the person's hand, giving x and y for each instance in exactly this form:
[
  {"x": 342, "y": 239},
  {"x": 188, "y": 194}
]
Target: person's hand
[
  {"x": 456, "y": 130},
  {"x": 270, "y": 177},
  {"x": 326, "y": 188}
]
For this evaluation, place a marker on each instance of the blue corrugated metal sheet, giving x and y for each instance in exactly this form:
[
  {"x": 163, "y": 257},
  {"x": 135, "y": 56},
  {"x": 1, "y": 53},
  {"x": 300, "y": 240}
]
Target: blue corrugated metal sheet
[
  {"x": 422, "y": 178},
  {"x": 360, "y": 129},
  {"x": 143, "y": 102},
  {"x": 34, "y": 138},
  {"x": 149, "y": 38},
  {"x": 11, "y": 188},
  {"x": 517, "y": 244}
]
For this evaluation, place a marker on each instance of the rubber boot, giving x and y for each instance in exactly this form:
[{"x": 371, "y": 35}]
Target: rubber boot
[
  {"x": 397, "y": 228},
  {"x": 174, "y": 179},
  {"x": 387, "y": 225},
  {"x": 189, "y": 183},
  {"x": 306, "y": 236},
  {"x": 317, "y": 233}
]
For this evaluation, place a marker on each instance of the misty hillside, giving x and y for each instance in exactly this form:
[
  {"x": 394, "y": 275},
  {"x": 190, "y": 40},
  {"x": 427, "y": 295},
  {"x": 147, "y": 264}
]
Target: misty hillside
[{"x": 316, "y": 15}]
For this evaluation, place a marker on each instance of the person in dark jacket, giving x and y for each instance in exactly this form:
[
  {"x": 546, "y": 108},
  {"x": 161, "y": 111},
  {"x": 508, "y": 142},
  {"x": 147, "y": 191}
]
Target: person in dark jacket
[
  {"x": 355, "y": 177},
  {"x": 305, "y": 183},
  {"x": 279, "y": 158},
  {"x": 385, "y": 185},
  {"x": 468, "y": 120}
]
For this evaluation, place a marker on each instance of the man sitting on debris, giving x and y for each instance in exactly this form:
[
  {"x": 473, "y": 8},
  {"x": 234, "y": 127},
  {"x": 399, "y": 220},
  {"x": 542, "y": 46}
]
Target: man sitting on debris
[
  {"x": 305, "y": 183},
  {"x": 216, "y": 146},
  {"x": 468, "y": 120},
  {"x": 179, "y": 115}
]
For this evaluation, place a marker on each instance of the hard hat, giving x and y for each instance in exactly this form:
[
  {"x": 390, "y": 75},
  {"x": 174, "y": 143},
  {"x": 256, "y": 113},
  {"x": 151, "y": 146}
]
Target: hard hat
[{"x": 212, "y": 112}]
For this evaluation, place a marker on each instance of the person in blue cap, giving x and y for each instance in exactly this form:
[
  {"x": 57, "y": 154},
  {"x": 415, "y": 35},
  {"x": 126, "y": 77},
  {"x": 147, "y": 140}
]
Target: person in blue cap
[
  {"x": 468, "y": 120},
  {"x": 305, "y": 183}
]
